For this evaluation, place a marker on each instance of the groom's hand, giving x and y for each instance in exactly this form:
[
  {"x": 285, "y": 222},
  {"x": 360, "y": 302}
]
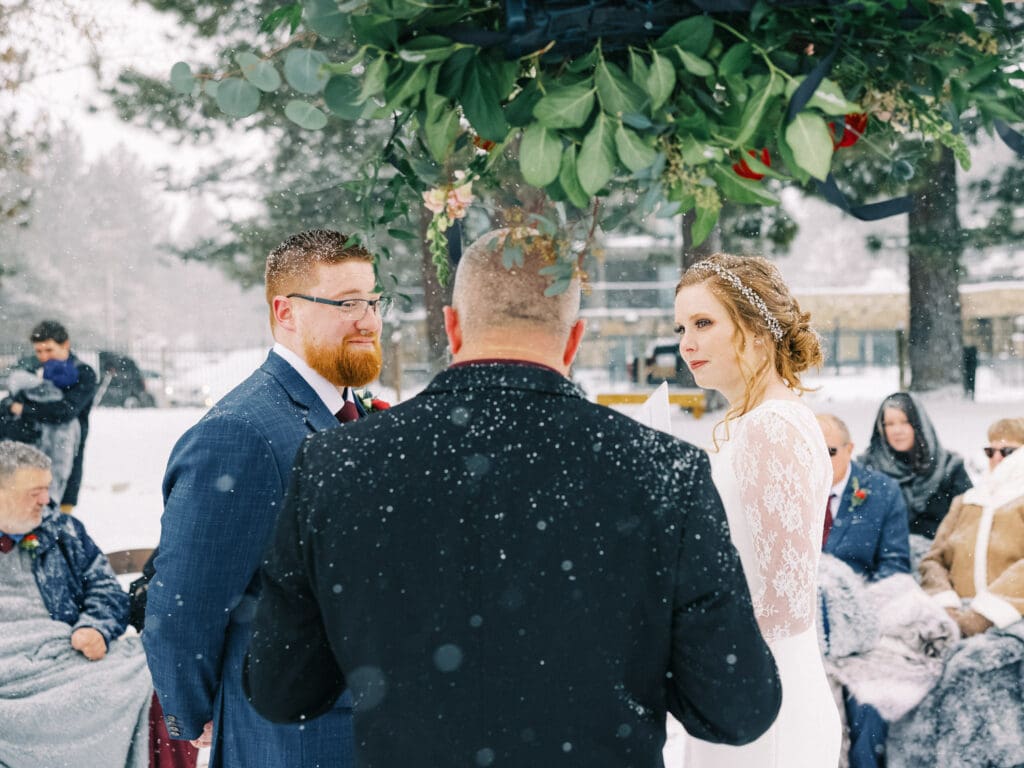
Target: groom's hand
[{"x": 972, "y": 623}]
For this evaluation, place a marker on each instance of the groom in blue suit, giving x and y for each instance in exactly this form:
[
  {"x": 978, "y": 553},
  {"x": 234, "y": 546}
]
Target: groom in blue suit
[
  {"x": 866, "y": 527},
  {"x": 223, "y": 489}
]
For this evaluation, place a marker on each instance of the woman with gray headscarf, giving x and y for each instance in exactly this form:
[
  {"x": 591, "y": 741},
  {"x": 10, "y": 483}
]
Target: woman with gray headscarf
[{"x": 905, "y": 447}]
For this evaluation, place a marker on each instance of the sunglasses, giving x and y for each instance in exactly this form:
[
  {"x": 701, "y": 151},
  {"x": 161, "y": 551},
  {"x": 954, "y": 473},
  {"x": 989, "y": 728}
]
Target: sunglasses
[{"x": 1006, "y": 450}]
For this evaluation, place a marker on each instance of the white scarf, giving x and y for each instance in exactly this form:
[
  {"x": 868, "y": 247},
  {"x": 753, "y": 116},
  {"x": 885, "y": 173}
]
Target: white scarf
[{"x": 998, "y": 488}]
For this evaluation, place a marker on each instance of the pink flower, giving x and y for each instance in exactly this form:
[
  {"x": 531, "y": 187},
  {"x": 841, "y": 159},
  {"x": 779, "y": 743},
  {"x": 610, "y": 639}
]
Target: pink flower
[{"x": 434, "y": 200}]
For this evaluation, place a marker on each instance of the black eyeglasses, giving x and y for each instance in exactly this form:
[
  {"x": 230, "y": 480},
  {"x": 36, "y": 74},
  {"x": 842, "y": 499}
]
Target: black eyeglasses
[
  {"x": 832, "y": 451},
  {"x": 1006, "y": 450},
  {"x": 353, "y": 308}
]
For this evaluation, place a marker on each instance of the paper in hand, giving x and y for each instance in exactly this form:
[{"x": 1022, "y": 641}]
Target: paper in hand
[{"x": 655, "y": 411}]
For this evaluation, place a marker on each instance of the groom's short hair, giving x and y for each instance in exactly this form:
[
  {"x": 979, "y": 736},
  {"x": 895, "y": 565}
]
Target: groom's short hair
[{"x": 488, "y": 294}]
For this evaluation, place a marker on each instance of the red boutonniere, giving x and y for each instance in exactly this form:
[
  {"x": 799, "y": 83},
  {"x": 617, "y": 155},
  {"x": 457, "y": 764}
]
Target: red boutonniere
[
  {"x": 370, "y": 403},
  {"x": 860, "y": 495},
  {"x": 30, "y": 544}
]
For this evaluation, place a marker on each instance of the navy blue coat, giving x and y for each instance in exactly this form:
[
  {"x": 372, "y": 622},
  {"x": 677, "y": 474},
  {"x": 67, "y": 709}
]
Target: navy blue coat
[
  {"x": 873, "y": 536},
  {"x": 75, "y": 579},
  {"x": 223, "y": 489}
]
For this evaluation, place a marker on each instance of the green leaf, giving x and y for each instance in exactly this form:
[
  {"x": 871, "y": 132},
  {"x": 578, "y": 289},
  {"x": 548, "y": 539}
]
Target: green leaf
[
  {"x": 735, "y": 60},
  {"x": 375, "y": 78},
  {"x": 345, "y": 67},
  {"x": 260, "y": 73},
  {"x": 182, "y": 79},
  {"x": 639, "y": 72},
  {"x": 342, "y": 97},
  {"x": 698, "y": 153},
  {"x": 302, "y": 70},
  {"x": 325, "y": 18},
  {"x": 569, "y": 179},
  {"x": 375, "y": 30},
  {"x": 704, "y": 222},
  {"x": 519, "y": 111},
  {"x": 596, "y": 163},
  {"x": 740, "y": 190},
  {"x": 481, "y": 104},
  {"x": 693, "y": 35},
  {"x": 565, "y": 107},
  {"x": 633, "y": 152},
  {"x": 828, "y": 97},
  {"x": 286, "y": 14},
  {"x": 305, "y": 115},
  {"x": 617, "y": 92},
  {"x": 440, "y": 133},
  {"x": 210, "y": 88},
  {"x": 694, "y": 64},
  {"x": 237, "y": 97},
  {"x": 811, "y": 142},
  {"x": 427, "y": 48},
  {"x": 540, "y": 155},
  {"x": 662, "y": 80},
  {"x": 753, "y": 113},
  {"x": 406, "y": 87},
  {"x": 402, "y": 234}
]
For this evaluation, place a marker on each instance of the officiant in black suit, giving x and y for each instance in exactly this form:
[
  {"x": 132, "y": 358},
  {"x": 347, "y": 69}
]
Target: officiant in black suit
[{"x": 502, "y": 572}]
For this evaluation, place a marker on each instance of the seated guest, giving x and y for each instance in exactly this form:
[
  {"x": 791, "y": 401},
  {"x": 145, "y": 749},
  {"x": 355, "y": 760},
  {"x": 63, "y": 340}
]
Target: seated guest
[
  {"x": 974, "y": 716},
  {"x": 73, "y": 692},
  {"x": 868, "y": 529},
  {"x": 905, "y": 446}
]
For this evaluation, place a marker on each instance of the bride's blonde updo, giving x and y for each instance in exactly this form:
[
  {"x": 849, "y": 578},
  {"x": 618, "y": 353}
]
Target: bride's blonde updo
[{"x": 759, "y": 302}]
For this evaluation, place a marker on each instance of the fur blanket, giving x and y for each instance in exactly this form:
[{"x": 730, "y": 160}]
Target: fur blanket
[
  {"x": 886, "y": 639},
  {"x": 974, "y": 716}
]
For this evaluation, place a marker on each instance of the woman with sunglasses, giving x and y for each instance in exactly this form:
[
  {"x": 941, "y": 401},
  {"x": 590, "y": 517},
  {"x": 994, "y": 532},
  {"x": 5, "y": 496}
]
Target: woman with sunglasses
[
  {"x": 975, "y": 570},
  {"x": 904, "y": 446}
]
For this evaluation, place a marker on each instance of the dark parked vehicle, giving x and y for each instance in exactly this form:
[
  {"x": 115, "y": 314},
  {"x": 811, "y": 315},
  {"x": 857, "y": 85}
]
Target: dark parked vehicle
[{"x": 122, "y": 383}]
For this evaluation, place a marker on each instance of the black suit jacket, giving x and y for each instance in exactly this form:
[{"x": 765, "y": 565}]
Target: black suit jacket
[{"x": 502, "y": 572}]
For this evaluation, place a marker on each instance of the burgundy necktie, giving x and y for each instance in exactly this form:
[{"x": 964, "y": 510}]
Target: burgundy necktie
[
  {"x": 6, "y": 544},
  {"x": 828, "y": 520},
  {"x": 348, "y": 412}
]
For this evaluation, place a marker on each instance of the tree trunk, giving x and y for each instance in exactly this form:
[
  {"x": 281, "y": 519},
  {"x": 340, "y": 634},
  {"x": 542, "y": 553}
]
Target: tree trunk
[
  {"x": 435, "y": 297},
  {"x": 934, "y": 254}
]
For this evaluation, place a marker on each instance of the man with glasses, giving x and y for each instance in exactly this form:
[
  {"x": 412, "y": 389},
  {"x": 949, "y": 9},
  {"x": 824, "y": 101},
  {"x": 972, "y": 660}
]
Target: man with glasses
[
  {"x": 223, "y": 490},
  {"x": 503, "y": 573}
]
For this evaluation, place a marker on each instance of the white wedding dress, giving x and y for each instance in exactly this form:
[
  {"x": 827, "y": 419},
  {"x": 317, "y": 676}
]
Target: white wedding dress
[{"x": 774, "y": 477}]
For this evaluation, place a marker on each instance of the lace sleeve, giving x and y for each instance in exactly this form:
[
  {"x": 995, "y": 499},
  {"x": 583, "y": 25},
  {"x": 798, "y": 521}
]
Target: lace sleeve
[{"x": 782, "y": 473}]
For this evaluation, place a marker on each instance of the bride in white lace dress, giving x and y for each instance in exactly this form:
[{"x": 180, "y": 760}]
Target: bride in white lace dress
[{"x": 743, "y": 334}]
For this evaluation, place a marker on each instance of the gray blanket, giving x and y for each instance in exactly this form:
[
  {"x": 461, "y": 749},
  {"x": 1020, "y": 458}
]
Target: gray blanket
[{"x": 57, "y": 708}]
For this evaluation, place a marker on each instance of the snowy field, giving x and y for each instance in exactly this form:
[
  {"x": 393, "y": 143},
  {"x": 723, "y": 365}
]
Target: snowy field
[{"x": 127, "y": 450}]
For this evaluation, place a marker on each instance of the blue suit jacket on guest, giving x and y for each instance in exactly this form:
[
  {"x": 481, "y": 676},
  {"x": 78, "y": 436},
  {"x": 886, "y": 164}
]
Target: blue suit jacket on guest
[
  {"x": 872, "y": 537},
  {"x": 225, "y": 482}
]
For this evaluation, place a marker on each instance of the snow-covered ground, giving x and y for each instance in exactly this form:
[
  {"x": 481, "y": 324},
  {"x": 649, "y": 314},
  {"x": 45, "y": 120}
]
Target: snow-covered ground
[{"x": 127, "y": 450}]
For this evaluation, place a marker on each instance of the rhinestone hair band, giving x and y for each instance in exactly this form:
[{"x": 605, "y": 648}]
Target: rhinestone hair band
[{"x": 758, "y": 303}]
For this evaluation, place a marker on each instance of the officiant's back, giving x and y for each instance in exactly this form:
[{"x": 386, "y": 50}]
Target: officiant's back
[{"x": 502, "y": 572}]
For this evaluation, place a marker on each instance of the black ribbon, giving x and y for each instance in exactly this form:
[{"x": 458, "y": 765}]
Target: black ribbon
[{"x": 1010, "y": 137}]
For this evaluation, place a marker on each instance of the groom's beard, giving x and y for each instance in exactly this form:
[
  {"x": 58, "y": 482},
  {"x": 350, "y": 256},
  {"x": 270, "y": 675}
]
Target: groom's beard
[{"x": 345, "y": 365}]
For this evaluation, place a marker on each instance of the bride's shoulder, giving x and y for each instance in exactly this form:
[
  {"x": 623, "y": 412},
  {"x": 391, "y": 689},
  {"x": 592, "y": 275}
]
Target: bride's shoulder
[{"x": 777, "y": 417}]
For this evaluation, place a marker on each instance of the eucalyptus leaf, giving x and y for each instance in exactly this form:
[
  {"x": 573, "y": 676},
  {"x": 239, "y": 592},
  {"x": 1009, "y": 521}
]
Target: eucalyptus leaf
[
  {"x": 237, "y": 98},
  {"x": 305, "y": 115},
  {"x": 182, "y": 79},
  {"x": 596, "y": 163},
  {"x": 565, "y": 107},
  {"x": 703, "y": 223},
  {"x": 325, "y": 17},
  {"x": 569, "y": 179},
  {"x": 540, "y": 155},
  {"x": 342, "y": 97},
  {"x": 302, "y": 70},
  {"x": 740, "y": 190},
  {"x": 633, "y": 152},
  {"x": 661, "y": 80},
  {"x": 809, "y": 138},
  {"x": 210, "y": 88},
  {"x": 260, "y": 73},
  {"x": 617, "y": 92}
]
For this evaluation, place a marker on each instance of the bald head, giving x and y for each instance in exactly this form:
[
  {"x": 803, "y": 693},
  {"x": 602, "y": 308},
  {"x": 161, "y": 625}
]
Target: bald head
[{"x": 503, "y": 312}]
